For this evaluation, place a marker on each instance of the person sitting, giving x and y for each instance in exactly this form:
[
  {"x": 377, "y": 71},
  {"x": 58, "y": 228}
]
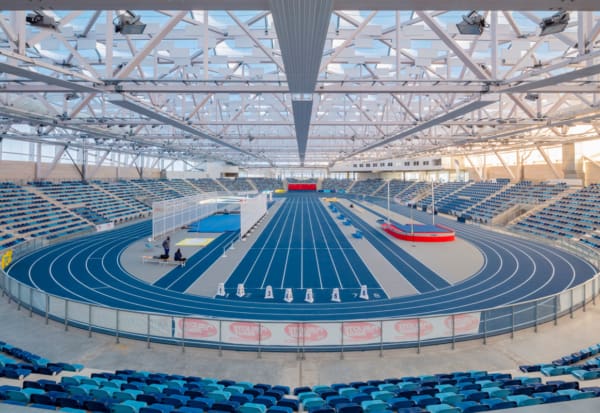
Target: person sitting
[{"x": 178, "y": 256}]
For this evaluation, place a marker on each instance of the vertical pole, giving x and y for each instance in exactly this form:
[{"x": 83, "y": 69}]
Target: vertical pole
[
  {"x": 594, "y": 291},
  {"x": 571, "y": 308},
  {"x": 512, "y": 327},
  {"x": 535, "y": 314},
  {"x": 432, "y": 204},
  {"x": 19, "y": 296},
  {"x": 9, "y": 292},
  {"x": 66, "y": 315},
  {"x": 418, "y": 335},
  {"x": 220, "y": 338},
  {"x": 342, "y": 341},
  {"x": 484, "y": 327},
  {"x": 182, "y": 334},
  {"x": 259, "y": 339},
  {"x": 147, "y": 330},
  {"x": 453, "y": 333},
  {"x": 89, "y": 320},
  {"x": 584, "y": 286},
  {"x": 117, "y": 327},
  {"x": 31, "y": 302},
  {"x": 47, "y": 307},
  {"x": 380, "y": 338}
]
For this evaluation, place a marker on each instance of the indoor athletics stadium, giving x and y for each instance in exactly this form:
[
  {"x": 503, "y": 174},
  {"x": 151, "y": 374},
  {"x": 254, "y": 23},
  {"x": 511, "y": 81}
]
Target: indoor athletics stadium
[{"x": 299, "y": 206}]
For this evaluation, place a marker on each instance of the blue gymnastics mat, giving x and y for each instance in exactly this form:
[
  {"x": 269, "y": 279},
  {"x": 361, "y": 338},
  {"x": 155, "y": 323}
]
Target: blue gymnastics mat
[{"x": 217, "y": 223}]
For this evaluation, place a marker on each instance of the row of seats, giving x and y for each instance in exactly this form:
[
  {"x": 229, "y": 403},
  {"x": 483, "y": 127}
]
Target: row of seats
[{"x": 574, "y": 216}]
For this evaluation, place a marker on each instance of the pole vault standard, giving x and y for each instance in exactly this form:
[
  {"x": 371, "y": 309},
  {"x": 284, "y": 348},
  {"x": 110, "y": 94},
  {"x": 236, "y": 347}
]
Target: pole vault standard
[{"x": 432, "y": 204}]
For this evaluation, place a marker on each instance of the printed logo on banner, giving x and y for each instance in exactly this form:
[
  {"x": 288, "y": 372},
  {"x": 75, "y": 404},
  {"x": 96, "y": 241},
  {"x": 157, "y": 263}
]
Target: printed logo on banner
[
  {"x": 193, "y": 328},
  {"x": 312, "y": 332},
  {"x": 410, "y": 328},
  {"x": 249, "y": 331},
  {"x": 361, "y": 331},
  {"x": 463, "y": 323}
]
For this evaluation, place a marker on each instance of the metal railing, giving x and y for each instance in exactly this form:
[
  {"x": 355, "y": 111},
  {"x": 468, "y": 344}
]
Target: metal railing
[{"x": 301, "y": 337}]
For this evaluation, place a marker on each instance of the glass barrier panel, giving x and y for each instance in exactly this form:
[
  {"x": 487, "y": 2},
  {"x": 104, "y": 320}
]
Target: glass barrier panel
[
  {"x": 134, "y": 323},
  {"x": 564, "y": 303},
  {"x": 545, "y": 309},
  {"x": 104, "y": 318},
  {"x": 497, "y": 321},
  {"x": 240, "y": 332},
  {"x": 14, "y": 288},
  {"x": 525, "y": 315},
  {"x": 79, "y": 312},
  {"x": 56, "y": 307},
  {"x": 161, "y": 326},
  {"x": 39, "y": 300},
  {"x": 25, "y": 295},
  {"x": 578, "y": 296}
]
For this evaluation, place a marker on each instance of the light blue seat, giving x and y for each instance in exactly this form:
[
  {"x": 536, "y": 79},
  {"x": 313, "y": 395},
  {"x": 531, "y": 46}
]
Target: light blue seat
[
  {"x": 373, "y": 405},
  {"x": 382, "y": 395},
  {"x": 310, "y": 403},
  {"x": 235, "y": 389},
  {"x": 252, "y": 408},
  {"x": 307, "y": 395},
  {"x": 348, "y": 391},
  {"x": 125, "y": 395},
  {"x": 497, "y": 392},
  {"x": 408, "y": 386},
  {"x": 552, "y": 370},
  {"x": 523, "y": 400},
  {"x": 576, "y": 394},
  {"x": 389, "y": 387},
  {"x": 450, "y": 397},
  {"x": 219, "y": 395},
  {"x": 442, "y": 408},
  {"x": 128, "y": 406},
  {"x": 581, "y": 374}
]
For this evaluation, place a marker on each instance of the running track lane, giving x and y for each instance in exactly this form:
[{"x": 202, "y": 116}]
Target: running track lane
[
  {"x": 88, "y": 269},
  {"x": 303, "y": 247},
  {"x": 415, "y": 272}
]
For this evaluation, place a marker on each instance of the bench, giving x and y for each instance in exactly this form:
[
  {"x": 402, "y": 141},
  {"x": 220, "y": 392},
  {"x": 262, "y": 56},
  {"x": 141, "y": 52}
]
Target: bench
[{"x": 158, "y": 260}]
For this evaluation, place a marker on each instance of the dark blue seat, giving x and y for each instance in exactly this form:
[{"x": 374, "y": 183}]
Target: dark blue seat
[{"x": 348, "y": 408}]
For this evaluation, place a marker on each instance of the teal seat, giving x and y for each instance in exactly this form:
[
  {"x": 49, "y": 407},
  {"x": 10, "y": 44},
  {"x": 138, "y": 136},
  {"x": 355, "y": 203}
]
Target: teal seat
[
  {"x": 125, "y": 395},
  {"x": 17, "y": 396},
  {"x": 373, "y": 405},
  {"x": 70, "y": 381},
  {"x": 446, "y": 388},
  {"x": 388, "y": 387},
  {"x": 154, "y": 388},
  {"x": 103, "y": 393},
  {"x": 576, "y": 394},
  {"x": 234, "y": 389},
  {"x": 585, "y": 374},
  {"x": 252, "y": 408},
  {"x": 347, "y": 392},
  {"x": 245, "y": 384},
  {"x": 382, "y": 395},
  {"x": 307, "y": 395},
  {"x": 442, "y": 408},
  {"x": 72, "y": 410},
  {"x": 408, "y": 386},
  {"x": 219, "y": 395},
  {"x": 450, "y": 397},
  {"x": 524, "y": 400},
  {"x": 497, "y": 392},
  {"x": 311, "y": 403},
  {"x": 128, "y": 406}
]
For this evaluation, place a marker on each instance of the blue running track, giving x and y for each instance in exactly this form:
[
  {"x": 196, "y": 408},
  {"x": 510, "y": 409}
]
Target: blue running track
[
  {"x": 303, "y": 247},
  {"x": 88, "y": 269}
]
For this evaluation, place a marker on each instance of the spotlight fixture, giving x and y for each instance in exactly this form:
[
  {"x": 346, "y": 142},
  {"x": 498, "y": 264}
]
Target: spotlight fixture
[
  {"x": 472, "y": 23},
  {"x": 129, "y": 23},
  {"x": 39, "y": 19},
  {"x": 555, "y": 23}
]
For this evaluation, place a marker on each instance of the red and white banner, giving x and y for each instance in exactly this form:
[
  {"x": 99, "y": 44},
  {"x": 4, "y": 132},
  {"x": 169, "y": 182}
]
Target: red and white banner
[{"x": 328, "y": 334}]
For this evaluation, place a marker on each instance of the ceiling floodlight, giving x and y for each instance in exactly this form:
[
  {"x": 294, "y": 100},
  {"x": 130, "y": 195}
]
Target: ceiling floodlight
[
  {"x": 554, "y": 24},
  {"x": 472, "y": 23},
  {"x": 129, "y": 23},
  {"x": 40, "y": 20}
]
